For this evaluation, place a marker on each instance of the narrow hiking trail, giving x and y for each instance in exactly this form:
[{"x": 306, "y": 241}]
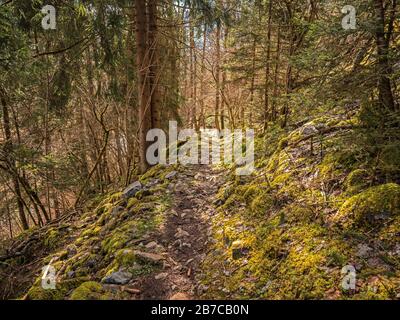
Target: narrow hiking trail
[{"x": 184, "y": 238}]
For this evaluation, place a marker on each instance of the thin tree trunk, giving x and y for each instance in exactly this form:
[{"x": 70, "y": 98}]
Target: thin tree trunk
[
  {"x": 276, "y": 74},
  {"x": 10, "y": 229},
  {"x": 202, "y": 84},
  {"x": 267, "y": 67},
  {"x": 252, "y": 83},
  {"x": 218, "y": 76},
  {"x": 8, "y": 148},
  {"x": 192, "y": 85},
  {"x": 224, "y": 79}
]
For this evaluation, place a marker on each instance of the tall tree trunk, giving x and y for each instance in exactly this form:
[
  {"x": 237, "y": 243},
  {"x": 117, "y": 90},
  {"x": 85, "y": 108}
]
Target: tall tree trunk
[
  {"x": 144, "y": 99},
  {"x": 289, "y": 79},
  {"x": 193, "y": 75},
  {"x": 382, "y": 42},
  {"x": 252, "y": 83},
  {"x": 224, "y": 79},
  {"x": 267, "y": 67},
  {"x": 154, "y": 62},
  {"x": 202, "y": 84},
  {"x": 276, "y": 74},
  {"x": 218, "y": 75}
]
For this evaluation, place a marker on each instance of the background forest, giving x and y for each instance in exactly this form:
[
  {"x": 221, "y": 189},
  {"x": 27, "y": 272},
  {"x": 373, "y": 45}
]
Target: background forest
[{"x": 77, "y": 102}]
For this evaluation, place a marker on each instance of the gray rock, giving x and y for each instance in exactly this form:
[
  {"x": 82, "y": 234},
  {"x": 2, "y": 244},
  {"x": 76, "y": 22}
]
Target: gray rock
[
  {"x": 132, "y": 190},
  {"x": 309, "y": 130},
  {"x": 151, "y": 258},
  {"x": 171, "y": 175},
  {"x": 152, "y": 183},
  {"x": 119, "y": 277}
]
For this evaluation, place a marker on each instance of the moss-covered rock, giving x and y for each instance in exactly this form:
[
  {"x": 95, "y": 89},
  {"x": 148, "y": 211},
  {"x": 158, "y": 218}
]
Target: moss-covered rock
[
  {"x": 371, "y": 206},
  {"x": 52, "y": 238},
  {"x": 356, "y": 180},
  {"x": 36, "y": 292},
  {"x": 90, "y": 290}
]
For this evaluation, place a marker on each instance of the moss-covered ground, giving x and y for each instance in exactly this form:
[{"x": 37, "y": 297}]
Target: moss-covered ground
[{"x": 309, "y": 210}]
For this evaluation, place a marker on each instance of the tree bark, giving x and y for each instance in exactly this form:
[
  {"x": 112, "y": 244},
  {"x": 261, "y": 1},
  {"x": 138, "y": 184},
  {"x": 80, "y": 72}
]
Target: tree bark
[
  {"x": 382, "y": 42},
  {"x": 276, "y": 74},
  {"x": 144, "y": 95},
  {"x": 267, "y": 67},
  {"x": 8, "y": 149},
  {"x": 202, "y": 85},
  {"x": 154, "y": 77},
  {"x": 218, "y": 75}
]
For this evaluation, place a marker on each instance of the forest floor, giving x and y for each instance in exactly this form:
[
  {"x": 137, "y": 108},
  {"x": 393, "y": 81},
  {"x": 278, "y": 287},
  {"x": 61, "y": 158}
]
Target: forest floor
[
  {"x": 184, "y": 236},
  {"x": 286, "y": 231}
]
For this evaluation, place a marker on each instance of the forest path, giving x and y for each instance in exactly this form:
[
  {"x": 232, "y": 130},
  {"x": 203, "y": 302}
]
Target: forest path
[{"x": 184, "y": 236}]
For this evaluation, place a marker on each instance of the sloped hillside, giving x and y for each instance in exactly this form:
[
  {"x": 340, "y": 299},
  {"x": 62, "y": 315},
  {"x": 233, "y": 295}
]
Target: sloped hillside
[
  {"x": 309, "y": 210},
  {"x": 285, "y": 232}
]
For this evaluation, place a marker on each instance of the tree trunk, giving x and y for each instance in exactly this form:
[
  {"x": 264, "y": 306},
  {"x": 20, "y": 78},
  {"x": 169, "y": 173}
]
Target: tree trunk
[
  {"x": 193, "y": 71},
  {"x": 144, "y": 99},
  {"x": 224, "y": 79},
  {"x": 276, "y": 75},
  {"x": 202, "y": 85},
  {"x": 384, "y": 70},
  {"x": 218, "y": 75},
  {"x": 267, "y": 67},
  {"x": 8, "y": 149},
  {"x": 252, "y": 84},
  {"x": 154, "y": 77}
]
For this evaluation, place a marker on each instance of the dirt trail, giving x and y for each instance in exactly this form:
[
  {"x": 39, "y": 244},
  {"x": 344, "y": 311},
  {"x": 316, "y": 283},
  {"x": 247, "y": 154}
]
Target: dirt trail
[{"x": 184, "y": 236}]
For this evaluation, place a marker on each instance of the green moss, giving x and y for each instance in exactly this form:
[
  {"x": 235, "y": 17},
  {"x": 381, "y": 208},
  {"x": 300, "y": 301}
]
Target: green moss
[
  {"x": 62, "y": 254},
  {"x": 152, "y": 172},
  {"x": 52, "y": 238},
  {"x": 114, "y": 242},
  {"x": 391, "y": 232},
  {"x": 89, "y": 291},
  {"x": 261, "y": 203},
  {"x": 125, "y": 258},
  {"x": 91, "y": 232},
  {"x": 133, "y": 202},
  {"x": 370, "y": 206},
  {"x": 103, "y": 208},
  {"x": 356, "y": 180},
  {"x": 36, "y": 292},
  {"x": 283, "y": 143}
]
